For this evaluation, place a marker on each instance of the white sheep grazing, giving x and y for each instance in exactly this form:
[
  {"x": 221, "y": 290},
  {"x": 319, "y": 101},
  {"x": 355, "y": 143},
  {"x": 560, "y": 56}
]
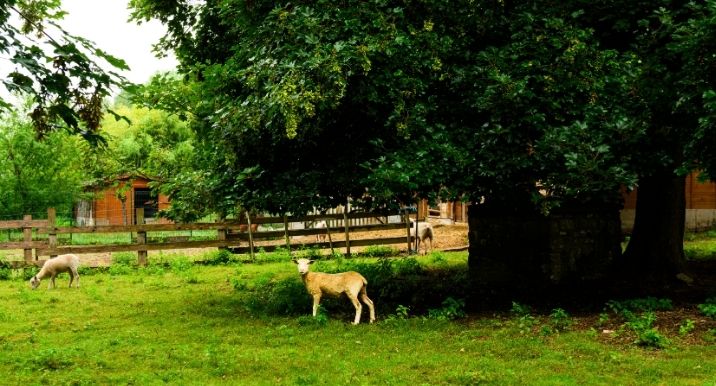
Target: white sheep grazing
[
  {"x": 321, "y": 237},
  {"x": 63, "y": 263},
  {"x": 350, "y": 283},
  {"x": 425, "y": 232}
]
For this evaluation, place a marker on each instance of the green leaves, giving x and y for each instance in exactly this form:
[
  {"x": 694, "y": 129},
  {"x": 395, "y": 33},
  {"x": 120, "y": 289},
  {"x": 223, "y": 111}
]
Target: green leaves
[{"x": 56, "y": 69}]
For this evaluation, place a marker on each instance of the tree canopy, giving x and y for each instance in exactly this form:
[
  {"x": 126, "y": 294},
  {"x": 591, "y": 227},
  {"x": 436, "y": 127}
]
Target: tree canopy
[
  {"x": 303, "y": 104},
  {"x": 64, "y": 74}
]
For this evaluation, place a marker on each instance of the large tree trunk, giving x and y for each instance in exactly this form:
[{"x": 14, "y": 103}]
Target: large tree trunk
[
  {"x": 526, "y": 250},
  {"x": 656, "y": 247}
]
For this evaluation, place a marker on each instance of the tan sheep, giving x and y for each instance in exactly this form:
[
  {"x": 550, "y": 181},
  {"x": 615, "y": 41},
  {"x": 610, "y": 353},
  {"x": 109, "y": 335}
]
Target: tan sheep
[
  {"x": 350, "y": 283},
  {"x": 425, "y": 232},
  {"x": 63, "y": 263},
  {"x": 321, "y": 237}
]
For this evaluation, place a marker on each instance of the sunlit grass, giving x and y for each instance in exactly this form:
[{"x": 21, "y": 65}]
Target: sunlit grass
[{"x": 184, "y": 324}]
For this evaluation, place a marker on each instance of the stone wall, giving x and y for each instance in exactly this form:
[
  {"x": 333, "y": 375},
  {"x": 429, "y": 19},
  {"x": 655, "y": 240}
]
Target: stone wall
[{"x": 562, "y": 247}]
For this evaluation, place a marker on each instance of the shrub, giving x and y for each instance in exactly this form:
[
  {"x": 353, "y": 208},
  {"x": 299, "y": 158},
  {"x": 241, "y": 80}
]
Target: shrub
[
  {"x": 686, "y": 327},
  {"x": 709, "y": 308},
  {"x": 391, "y": 282},
  {"x": 451, "y": 309},
  {"x": 5, "y": 269},
  {"x": 120, "y": 269},
  {"x": 276, "y": 297},
  {"x": 320, "y": 320},
  {"x": 645, "y": 304},
  {"x": 29, "y": 272},
  {"x": 560, "y": 320},
  {"x": 646, "y": 334},
  {"x": 309, "y": 253},
  {"x": 380, "y": 251},
  {"x": 124, "y": 258},
  {"x": 280, "y": 254},
  {"x": 219, "y": 257},
  {"x": 181, "y": 264}
]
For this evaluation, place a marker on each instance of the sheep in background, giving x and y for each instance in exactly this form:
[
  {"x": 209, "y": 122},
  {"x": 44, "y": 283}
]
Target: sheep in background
[
  {"x": 350, "y": 283},
  {"x": 425, "y": 232},
  {"x": 321, "y": 237},
  {"x": 63, "y": 263}
]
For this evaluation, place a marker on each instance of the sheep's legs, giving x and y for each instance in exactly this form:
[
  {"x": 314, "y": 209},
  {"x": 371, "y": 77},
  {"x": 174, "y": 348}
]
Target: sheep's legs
[
  {"x": 357, "y": 305},
  {"x": 316, "y": 302},
  {"x": 76, "y": 276},
  {"x": 51, "y": 284},
  {"x": 364, "y": 297}
]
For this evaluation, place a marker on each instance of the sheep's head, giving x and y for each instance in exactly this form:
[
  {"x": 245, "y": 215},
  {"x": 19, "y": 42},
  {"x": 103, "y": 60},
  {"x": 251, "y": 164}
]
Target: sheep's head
[
  {"x": 303, "y": 265},
  {"x": 34, "y": 282}
]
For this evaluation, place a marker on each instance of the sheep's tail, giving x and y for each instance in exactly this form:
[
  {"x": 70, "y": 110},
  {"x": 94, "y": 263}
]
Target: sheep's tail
[
  {"x": 365, "y": 284},
  {"x": 429, "y": 233}
]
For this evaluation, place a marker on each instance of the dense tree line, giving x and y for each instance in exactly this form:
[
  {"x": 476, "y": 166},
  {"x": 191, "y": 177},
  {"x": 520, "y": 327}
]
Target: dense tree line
[{"x": 528, "y": 107}]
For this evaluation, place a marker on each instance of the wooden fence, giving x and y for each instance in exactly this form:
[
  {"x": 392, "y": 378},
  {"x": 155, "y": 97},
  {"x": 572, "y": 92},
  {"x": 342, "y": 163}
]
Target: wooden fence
[{"x": 234, "y": 235}]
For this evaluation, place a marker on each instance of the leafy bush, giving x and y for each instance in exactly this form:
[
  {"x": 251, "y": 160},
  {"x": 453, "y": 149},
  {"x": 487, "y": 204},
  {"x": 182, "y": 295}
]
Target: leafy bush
[
  {"x": 646, "y": 304},
  {"x": 5, "y": 269},
  {"x": 709, "y": 308},
  {"x": 309, "y": 253},
  {"x": 451, "y": 309},
  {"x": 320, "y": 320},
  {"x": 520, "y": 309},
  {"x": 286, "y": 296},
  {"x": 646, "y": 334},
  {"x": 560, "y": 320},
  {"x": 219, "y": 257},
  {"x": 120, "y": 269},
  {"x": 686, "y": 327},
  {"x": 280, "y": 254},
  {"x": 391, "y": 282},
  {"x": 401, "y": 313},
  {"x": 525, "y": 320},
  {"x": 380, "y": 251},
  {"x": 124, "y": 258},
  {"x": 29, "y": 272},
  {"x": 181, "y": 264}
]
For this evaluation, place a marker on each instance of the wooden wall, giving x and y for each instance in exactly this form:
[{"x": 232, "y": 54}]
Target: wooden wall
[
  {"x": 700, "y": 205},
  {"x": 108, "y": 208}
]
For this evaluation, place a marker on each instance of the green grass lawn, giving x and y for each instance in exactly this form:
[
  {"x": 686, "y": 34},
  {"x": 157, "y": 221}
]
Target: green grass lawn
[{"x": 185, "y": 324}]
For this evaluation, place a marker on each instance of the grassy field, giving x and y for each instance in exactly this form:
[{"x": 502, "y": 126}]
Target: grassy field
[{"x": 187, "y": 324}]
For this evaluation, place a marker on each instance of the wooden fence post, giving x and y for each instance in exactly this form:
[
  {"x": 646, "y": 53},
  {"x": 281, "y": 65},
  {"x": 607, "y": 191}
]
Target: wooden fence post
[
  {"x": 27, "y": 238},
  {"x": 330, "y": 240},
  {"x": 285, "y": 228},
  {"x": 221, "y": 235},
  {"x": 141, "y": 238},
  {"x": 407, "y": 227},
  {"x": 347, "y": 225},
  {"x": 251, "y": 236},
  {"x": 51, "y": 231}
]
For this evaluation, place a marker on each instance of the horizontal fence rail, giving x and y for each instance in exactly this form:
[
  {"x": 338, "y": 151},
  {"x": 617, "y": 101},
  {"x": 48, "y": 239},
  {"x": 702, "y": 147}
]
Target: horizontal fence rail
[{"x": 240, "y": 236}]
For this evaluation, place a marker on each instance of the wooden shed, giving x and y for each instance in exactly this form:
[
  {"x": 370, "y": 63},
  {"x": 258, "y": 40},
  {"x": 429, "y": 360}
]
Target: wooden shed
[
  {"x": 700, "y": 205},
  {"x": 448, "y": 212},
  {"x": 106, "y": 208}
]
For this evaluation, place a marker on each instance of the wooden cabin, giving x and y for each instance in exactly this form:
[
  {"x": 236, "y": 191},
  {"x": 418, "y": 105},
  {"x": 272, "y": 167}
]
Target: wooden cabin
[
  {"x": 106, "y": 208},
  {"x": 448, "y": 212},
  {"x": 700, "y": 205}
]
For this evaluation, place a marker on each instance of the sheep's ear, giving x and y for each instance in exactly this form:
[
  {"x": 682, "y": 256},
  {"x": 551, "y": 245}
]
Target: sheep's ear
[
  {"x": 294, "y": 261},
  {"x": 311, "y": 261}
]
